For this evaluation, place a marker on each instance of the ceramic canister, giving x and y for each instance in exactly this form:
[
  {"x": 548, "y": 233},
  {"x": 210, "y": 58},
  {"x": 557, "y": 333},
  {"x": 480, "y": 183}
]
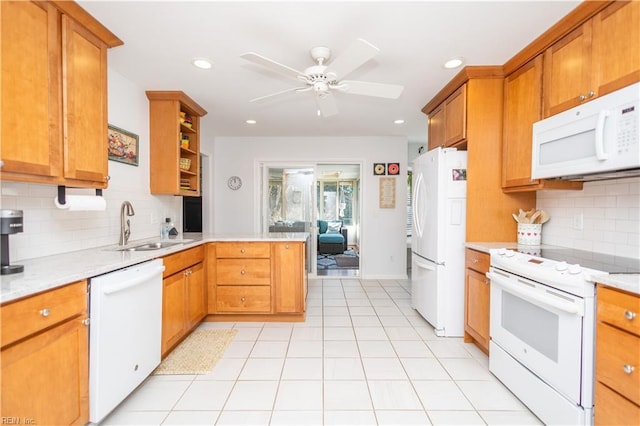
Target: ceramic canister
[{"x": 529, "y": 234}]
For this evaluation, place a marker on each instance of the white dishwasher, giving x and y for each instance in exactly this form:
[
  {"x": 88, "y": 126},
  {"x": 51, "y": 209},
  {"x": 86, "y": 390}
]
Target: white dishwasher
[{"x": 125, "y": 333}]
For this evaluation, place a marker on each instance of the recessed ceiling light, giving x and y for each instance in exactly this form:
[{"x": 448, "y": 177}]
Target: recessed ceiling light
[
  {"x": 399, "y": 121},
  {"x": 251, "y": 121},
  {"x": 454, "y": 63},
  {"x": 201, "y": 63}
]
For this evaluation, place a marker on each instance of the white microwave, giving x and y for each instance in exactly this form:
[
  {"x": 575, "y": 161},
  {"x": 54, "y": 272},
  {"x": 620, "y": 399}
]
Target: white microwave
[{"x": 597, "y": 140}]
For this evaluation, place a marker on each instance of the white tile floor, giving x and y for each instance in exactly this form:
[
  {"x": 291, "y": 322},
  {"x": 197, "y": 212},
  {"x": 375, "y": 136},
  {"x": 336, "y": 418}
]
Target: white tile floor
[{"x": 362, "y": 357}]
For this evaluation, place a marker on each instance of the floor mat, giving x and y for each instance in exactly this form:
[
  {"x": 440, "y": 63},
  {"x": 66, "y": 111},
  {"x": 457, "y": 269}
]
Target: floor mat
[{"x": 198, "y": 353}]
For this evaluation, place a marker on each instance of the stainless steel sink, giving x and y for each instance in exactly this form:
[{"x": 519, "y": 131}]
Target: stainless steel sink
[{"x": 156, "y": 245}]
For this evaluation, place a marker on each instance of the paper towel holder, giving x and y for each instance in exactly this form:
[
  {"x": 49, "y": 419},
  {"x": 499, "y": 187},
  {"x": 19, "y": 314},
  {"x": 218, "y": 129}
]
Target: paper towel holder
[{"x": 62, "y": 197}]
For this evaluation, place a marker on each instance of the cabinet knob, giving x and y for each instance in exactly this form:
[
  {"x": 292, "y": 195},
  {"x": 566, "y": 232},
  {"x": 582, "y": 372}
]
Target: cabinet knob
[
  {"x": 591, "y": 93},
  {"x": 242, "y": 251},
  {"x": 242, "y": 272},
  {"x": 86, "y": 321},
  {"x": 242, "y": 299},
  {"x": 630, "y": 315},
  {"x": 582, "y": 97},
  {"x": 45, "y": 312},
  {"x": 474, "y": 260},
  {"x": 286, "y": 246},
  {"x": 628, "y": 369},
  {"x": 486, "y": 281}
]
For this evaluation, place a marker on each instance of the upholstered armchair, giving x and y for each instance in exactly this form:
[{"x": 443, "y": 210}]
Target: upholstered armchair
[{"x": 332, "y": 237}]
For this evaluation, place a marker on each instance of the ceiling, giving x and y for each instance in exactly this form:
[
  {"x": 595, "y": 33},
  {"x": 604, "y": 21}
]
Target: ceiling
[{"x": 415, "y": 38}]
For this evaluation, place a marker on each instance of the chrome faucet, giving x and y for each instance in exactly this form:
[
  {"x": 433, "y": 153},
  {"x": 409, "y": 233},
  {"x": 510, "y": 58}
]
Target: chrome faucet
[{"x": 125, "y": 229}]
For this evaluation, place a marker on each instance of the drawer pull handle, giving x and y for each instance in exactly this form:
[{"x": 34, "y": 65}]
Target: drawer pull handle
[
  {"x": 630, "y": 315},
  {"x": 242, "y": 299},
  {"x": 628, "y": 368},
  {"x": 45, "y": 312},
  {"x": 242, "y": 272}
]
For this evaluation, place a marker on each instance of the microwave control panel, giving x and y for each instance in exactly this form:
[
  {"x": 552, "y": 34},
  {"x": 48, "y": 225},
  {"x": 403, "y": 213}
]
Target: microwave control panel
[{"x": 627, "y": 128}]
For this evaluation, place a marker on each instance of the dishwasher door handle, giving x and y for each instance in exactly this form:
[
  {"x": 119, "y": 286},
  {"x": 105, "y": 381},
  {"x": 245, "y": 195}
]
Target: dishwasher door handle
[{"x": 133, "y": 282}]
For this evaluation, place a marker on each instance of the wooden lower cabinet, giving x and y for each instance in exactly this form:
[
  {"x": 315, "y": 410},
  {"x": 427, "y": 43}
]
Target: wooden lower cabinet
[
  {"x": 477, "y": 298},
  {"x": 257, "y": 280},
  {"x": 45, "y": 374},
  {"x": 617, "y": 391},
  {"x": 183, "y": 296}
]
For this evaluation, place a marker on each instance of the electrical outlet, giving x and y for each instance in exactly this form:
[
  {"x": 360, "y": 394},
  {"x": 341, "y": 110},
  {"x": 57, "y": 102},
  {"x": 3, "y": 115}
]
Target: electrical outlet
[{"x": 578, "y": 221}]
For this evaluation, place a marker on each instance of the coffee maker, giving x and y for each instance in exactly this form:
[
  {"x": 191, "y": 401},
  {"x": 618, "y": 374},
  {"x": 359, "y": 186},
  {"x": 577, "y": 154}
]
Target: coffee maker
[{"x": 10, "y": 223}]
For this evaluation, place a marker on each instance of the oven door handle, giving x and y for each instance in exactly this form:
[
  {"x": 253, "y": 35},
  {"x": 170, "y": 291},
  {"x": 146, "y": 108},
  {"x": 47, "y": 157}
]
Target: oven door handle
[{"x": 548, "y": 299}]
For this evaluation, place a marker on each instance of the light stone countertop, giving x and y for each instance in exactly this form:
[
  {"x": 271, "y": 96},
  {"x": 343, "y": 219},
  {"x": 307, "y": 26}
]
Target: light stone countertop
[{"x": 45, "y": 273}]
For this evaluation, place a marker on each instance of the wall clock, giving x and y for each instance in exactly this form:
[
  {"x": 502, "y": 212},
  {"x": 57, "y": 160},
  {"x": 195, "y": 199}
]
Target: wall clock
[{"x": 234, "y": 182}]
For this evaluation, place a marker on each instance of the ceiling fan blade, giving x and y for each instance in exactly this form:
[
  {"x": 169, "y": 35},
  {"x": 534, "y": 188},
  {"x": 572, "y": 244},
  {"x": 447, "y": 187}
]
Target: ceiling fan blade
[
  {"x": 365, "y": 88},
  {"x": 326, "y": 105},
  {"x": 271, "y": 64},
  {"x": 353, "y": 57},
  {"x": 282, "y": 92}
]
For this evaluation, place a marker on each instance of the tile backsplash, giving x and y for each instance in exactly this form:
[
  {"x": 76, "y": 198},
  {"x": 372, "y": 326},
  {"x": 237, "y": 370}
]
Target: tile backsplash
[
  {"x": 49, "y": 230},
  {"x": 607, "y": 211}
]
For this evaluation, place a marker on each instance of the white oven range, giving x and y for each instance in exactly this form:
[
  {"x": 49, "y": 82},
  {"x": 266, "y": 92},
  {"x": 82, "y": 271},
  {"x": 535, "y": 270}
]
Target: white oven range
[{"x": 542, "y": 326}]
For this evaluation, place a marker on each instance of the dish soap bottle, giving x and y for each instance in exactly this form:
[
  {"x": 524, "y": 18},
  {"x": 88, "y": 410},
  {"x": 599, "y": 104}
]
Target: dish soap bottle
[{"x": 165, "y": 228}]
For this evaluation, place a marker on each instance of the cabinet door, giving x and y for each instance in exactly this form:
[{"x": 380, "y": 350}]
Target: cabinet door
[
  {"x": 196, "y": 295},
  {"x": 31, "y": 143},
  {"x": 455, "y": 117},
  {"x": 48, "y": 377},
  {"x": 173, "y": 310},
  {"x": 85, "y": 108},
  {"x": 613, "y": 409},
  {"x": 567, "y": 66},
  {"x": 288, "y": 266},
  {"x": 616, "y": 47},
  {"x": 436, "y": 127},
  {"x": 477, "y": 307},
  {"x": 522, "y": 108}
]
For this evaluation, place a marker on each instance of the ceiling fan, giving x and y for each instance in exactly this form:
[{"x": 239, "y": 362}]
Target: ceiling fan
[{"x": 322, "y": 79}]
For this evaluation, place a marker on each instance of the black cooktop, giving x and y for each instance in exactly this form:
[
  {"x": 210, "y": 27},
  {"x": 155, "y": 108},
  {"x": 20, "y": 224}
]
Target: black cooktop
[{"x": 598, "y": 261}]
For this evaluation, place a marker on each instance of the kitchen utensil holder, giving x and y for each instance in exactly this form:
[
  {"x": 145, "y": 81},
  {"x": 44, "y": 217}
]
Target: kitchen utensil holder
[{"x": 529, "y": 234}]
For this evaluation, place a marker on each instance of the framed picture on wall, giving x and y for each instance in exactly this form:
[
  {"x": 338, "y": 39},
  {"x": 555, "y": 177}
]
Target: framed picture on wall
[{"x": 122, "y": 146}]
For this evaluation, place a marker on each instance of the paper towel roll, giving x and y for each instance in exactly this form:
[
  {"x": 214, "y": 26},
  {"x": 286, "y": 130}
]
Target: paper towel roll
[{"x": 82, "y": 203}]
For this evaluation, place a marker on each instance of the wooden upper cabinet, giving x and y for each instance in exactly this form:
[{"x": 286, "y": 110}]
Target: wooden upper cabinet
[
  {"x": 54, "y": 99},
  {"x": 448, "y": 121},
  {"x": 455, "y": 117},
  {"x": 436, "y": 127},
  {"x": 600, "y": 56},
  {"x": 616, "y": 47},
  {"x": 85, "y": 108},
  {"x": 522, "y": 108},
  {"x": 168, "y": 111},
  {"x": 27, "y": 81}
]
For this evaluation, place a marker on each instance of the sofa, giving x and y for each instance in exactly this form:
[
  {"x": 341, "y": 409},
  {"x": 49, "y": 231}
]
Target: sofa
[{"x": 332, "y": 237}]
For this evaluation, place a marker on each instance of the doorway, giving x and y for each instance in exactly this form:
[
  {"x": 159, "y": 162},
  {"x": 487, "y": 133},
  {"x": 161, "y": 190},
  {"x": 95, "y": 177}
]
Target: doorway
[{"x": 310, "y": 198}]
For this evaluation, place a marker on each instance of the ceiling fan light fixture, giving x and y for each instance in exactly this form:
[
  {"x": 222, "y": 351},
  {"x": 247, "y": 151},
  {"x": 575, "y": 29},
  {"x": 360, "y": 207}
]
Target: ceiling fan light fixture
[
  {"x": 202, "y": 63},
  {"x": 454, "y": 63}
]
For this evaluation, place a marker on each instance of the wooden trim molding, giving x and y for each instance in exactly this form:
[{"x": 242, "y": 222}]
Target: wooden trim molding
[
  {"x": 482, "y": 71},
  {"x": 84, "y": 18}
]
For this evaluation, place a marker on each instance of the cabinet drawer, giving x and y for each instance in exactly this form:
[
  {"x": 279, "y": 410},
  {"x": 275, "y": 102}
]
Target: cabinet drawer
[
  {"x": 28, "y": 316},
  {"x": 243, "y": 298},
  {"x": 612, "y": 409},
  {"x": 182, "y": 260},
  {"x": 243, "y": 249},
  {"x": 477, "y": 260},
  {"x": 619, "y": 309},
  {"x": 616, "y": 351},
  {"x": 243, "y": 271}
]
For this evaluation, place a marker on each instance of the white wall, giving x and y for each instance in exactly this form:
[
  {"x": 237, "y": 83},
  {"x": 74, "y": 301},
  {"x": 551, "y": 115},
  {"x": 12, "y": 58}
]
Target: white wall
[
  {"x": 383, "y": 240},
  {"x": 611, "y": 217},
  {"x": 48, "y": 230}
]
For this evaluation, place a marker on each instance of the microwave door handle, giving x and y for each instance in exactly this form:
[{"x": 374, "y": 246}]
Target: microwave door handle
[{"x": 602, "y": 117}]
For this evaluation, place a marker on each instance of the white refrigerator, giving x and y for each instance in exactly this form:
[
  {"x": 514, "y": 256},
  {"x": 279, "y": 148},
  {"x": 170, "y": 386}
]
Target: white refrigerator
[{"x": 438, "y": 237}]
